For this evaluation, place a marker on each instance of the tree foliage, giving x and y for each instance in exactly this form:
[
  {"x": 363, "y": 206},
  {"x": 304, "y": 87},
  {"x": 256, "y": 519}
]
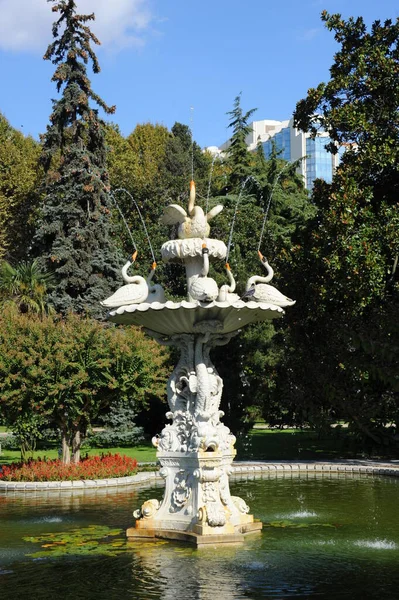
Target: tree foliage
[
  {"x": 25, "y": 286},
  {"x": 19, "y": 182},
  {"x": 74, "y": 237},
  {"x": 355, "y": 232},
  {"x": 342, "y": 330},
  {"x": 238, "y": 156},
  {"x": 64, "y": 373}
]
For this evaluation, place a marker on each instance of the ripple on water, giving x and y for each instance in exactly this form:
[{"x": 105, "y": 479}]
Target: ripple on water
[
  {"x": 376, "y": 544},
  {"x": 324, "y": 542},
  {"x": 300, "y": 514}
]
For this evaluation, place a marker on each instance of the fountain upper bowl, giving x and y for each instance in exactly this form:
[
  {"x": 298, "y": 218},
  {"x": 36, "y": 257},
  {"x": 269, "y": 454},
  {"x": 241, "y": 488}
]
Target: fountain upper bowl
[
  {"x": 177, "y": 250},
  {"x": 172, "y": 318}
]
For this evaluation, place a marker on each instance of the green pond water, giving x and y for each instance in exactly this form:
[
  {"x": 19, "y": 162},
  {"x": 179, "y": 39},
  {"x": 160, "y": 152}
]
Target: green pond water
[{"x": 323, "y": 537}]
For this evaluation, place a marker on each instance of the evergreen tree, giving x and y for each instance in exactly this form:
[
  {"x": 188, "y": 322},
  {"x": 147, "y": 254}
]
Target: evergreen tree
[
  {"x": 239, "y": 158},
  {"x": 73, "y": 236},
  {"x": 184, "y": 160}
]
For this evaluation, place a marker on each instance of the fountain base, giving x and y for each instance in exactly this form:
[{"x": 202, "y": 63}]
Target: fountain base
[
  {"x": 194, "y": 538},
  {"x": 197, "y": 506}
]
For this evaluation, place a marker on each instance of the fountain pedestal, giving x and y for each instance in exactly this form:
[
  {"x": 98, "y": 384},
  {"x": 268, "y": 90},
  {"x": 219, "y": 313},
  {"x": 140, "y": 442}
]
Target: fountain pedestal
[{"x": 197, "y": 505}]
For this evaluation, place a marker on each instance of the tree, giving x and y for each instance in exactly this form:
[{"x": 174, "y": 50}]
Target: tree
[
  {"x": 19, "y": 182},
  {"x": 64, "y": 373},
  {"x": 342, "y": 325},
  {"x": 25, "y": 286},
  {"x": 272, "y": 209},
  {"x": 359, "y": 108},
  {"x": 119, "y": 426},
  {"x": 238, "y": 156},
  {"x": 74, "y": 236},
  {"x": 184, "y": 160}
]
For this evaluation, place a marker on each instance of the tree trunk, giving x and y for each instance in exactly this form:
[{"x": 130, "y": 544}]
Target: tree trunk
[
  {"x": 66, "y": 452},
  {"x": 24, "y": 450},
  {"x": 27, "y": 446},
  {"x": 76, "y": 444}
]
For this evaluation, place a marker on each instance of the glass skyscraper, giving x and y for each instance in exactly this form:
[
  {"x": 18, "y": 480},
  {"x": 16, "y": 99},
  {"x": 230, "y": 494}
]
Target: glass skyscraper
[
  {"x": 282, "y": 141},
  {"x": 316, "y": 162}
]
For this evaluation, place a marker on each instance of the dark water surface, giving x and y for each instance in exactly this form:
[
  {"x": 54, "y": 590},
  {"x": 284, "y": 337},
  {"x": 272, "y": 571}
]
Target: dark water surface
[{"x": 324, "y": 537}]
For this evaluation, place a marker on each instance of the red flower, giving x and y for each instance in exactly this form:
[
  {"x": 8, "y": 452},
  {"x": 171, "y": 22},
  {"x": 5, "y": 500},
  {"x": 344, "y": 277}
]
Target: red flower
[{"x": 105, "y": 466}]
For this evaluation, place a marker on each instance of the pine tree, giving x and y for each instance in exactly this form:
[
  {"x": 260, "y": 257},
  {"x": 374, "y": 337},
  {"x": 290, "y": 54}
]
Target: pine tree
[
  {"x": 239, "y": 158},
  {"x": 73, "y": 237}
]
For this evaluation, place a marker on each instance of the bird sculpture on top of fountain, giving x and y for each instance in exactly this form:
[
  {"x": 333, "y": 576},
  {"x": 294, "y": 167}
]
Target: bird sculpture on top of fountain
[
  {"x": 195, "y": 223},
  {"x": 258, "y": 290},
  {"x": 137, "y": 290},
  {"x": 226, "y": 291},
  {"x": 202, "y": 288}
]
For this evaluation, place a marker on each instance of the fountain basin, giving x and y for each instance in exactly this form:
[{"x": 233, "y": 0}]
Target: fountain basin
[
  {"x": 325, "y": 536},
  {"x": 181, "y": 317}
]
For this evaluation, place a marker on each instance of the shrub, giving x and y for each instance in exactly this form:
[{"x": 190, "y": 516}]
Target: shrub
[
  {"x": 65, "y": 373},
  {"x": 10, "y": 442},
  {"x": 105, "y": 466},
  {"x": 120, "y": 428}
]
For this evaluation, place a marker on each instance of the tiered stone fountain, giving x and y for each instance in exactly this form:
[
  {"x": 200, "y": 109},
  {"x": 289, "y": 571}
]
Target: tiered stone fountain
[{"x": 196, "y": 450}]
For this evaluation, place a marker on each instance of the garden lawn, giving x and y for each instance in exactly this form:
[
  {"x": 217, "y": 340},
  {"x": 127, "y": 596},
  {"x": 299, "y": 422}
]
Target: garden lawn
[
  {"x": 140, "y": 453},
  {"x": 259, "y": 444},
  {"x": 297, "y": 444}
]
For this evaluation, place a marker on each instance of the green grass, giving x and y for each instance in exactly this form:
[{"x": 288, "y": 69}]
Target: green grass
[
  {"x": 145, "y": 453},
  {"x": 296, "y": 444},
  {"x": 260, "y": 444}
]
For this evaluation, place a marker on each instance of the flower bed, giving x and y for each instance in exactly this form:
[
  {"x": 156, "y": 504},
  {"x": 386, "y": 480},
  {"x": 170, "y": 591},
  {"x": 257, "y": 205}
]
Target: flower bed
[{"x": 105, "y": 466}]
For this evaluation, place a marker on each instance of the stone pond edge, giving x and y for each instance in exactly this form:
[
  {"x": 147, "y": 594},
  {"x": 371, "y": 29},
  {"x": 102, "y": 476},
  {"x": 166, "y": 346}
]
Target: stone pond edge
[{"x": 253, "y": 468}]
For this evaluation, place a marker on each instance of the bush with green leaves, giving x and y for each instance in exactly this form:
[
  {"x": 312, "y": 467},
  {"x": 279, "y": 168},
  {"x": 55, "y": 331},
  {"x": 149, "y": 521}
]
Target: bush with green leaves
[
  {"x": 120, "y": 429},
  {"x": 65, "y": 373}
]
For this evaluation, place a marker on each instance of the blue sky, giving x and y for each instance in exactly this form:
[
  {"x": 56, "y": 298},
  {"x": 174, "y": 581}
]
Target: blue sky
[{"x": 179, "y": 60}]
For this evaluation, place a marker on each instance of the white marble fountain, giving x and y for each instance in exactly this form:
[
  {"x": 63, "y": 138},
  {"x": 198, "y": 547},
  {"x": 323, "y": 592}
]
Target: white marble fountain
[{"x": 196, "y": 450}]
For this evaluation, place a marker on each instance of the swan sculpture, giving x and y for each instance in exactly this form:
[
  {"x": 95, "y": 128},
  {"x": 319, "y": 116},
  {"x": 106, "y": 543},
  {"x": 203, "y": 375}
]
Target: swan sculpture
[
  {"x": 226, "y": 290},
  {"x": 202, "y": 288},
  {"x": 258, "y": 289},
  {"x": 137, "y": 290},
  {"x": 195, "y": 223}
]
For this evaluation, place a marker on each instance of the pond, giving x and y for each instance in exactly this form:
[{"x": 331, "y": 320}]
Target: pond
[{"x": 324, "y": 537}]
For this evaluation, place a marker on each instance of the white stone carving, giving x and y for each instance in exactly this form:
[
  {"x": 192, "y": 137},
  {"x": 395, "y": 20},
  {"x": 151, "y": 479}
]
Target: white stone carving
[
  {"x": 147, "y": 510},
  {"x": 137, "y": 290},
  {"x": 182, "y": 490},
  {"x": 240, "y": 504},
  {"x": 258, "y": 290},
  {"x": 195, "y": 224},
  {"x": 195, "y": 449},
  {"x": 226, "y": 291}
]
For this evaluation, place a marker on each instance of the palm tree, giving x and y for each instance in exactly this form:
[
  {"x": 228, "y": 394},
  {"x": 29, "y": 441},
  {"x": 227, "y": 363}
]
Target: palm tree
[{"x": 25, "y": 286}]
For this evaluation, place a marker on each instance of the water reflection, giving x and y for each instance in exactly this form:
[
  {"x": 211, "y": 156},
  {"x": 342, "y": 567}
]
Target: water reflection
[
  {"x": 324, "y": 536},
  {"x": 172, "y": 572}
]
